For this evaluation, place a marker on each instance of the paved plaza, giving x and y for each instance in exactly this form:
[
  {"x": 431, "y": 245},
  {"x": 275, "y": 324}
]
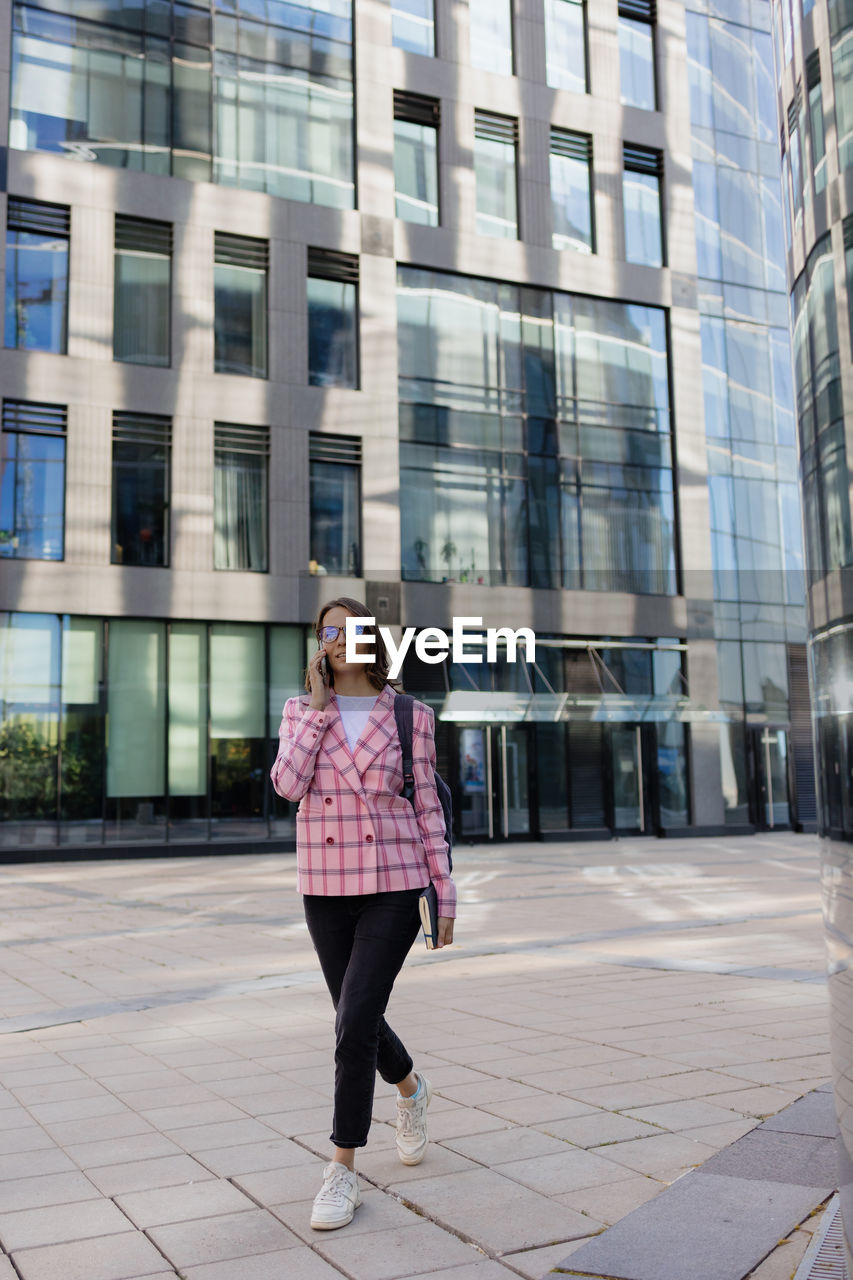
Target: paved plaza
[{"x": 611, "y": 1016}]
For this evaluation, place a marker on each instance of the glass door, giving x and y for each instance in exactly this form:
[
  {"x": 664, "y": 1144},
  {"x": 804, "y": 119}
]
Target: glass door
[
  {"x": 633, "y": 763},
  {"x": 769, "y": 751},
  {"x": 512, "y": 816},
  {"x": 493, "y": 782}
]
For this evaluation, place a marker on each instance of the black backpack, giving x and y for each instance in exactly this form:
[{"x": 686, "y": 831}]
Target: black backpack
[{"x": 403, "y": 712}]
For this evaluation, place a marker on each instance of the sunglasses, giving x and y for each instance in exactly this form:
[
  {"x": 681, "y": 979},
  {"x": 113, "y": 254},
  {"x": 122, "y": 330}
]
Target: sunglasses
[{"x": 326, "y": 635}]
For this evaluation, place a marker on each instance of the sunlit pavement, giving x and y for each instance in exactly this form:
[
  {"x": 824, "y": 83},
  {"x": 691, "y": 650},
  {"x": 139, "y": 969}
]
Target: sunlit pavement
[{"x": 611, "y": 1015}]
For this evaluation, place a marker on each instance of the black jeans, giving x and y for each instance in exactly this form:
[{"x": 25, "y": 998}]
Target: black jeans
[{"x": 362, "y": 941}]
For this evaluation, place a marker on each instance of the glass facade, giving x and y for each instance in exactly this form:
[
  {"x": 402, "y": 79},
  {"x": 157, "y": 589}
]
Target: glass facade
[
  {"x": 491, "y": 35},
  {"x": 416, "y": 172},
  {"x": 81, "y": 693},
  {"x": 756, "y": 529},
  {"x": 142, "y": 299},
  {"x": 240, "y": 497},
  {"x": 32, "y": 485},
  {"x": 820, "y": 411},
  {"x": 230, "y": 94},
  {"x": 413, "y": 26},
  {"x": 36, "y": 311},
  {"x": 240, "y": 306},
  {"x": 565, "y": 44},
  {"x": 535, "y": 438}
]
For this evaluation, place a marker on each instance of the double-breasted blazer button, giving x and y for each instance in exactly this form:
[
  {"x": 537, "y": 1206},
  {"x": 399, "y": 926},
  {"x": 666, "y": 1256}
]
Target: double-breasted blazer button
[
  {"x": 330, "y": 839},
  {"x": 328, "y": 799},
  {"x": 368, "y": 839}
]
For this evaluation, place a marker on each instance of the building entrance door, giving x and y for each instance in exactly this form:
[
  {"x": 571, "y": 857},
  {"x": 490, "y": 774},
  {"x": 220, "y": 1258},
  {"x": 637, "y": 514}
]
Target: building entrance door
[
  {"x": 768, "y": 761},
  {"x": 493, "y": 781},
  {"x": 632, "y": 764}
]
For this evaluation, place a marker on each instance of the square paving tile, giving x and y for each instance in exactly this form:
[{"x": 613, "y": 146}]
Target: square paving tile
[
  {"x": 386, "y": 1255},
  {"x": 181, "y": 1204},
  {"x": 496, "y": 1212},
  {"x": 229, "y": 1236},
  {"x": 112, "y": 1258},
  {"x": 298, "y": 1263},
  {"x": 145, "y": 1175},
  {"x": 58, "y": 1224}
]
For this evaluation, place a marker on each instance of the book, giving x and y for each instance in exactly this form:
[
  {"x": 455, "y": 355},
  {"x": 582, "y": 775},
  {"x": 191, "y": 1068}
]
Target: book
[{"x": 428, "y": 905}]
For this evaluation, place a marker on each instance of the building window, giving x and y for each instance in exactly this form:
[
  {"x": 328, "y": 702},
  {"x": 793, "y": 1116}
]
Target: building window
[
  {"x": 565, "y": 45},
  {"x": 796, "y": 159},
  {"x": 413, "y": 26},
  {"x": 335, "y": 481},
  {"x": 491, "y": 35},
  {"x": 571, "y": 191},
  {"x": 257, "y": 98},
  {"x": 842, "y": 73},
  {"x": 240, "y": 305},
  {"x": 142, "y": 446},
  {"x": 416, "y": 121},
  {"x": 641, "y": 187},
  {"x": 37, "y": 275},
  {"x": 495, "y": 147},
  {"x": 637, "y": 53},
  {"x": 241, "y": 465},
  {"x": 143, "y": 291},
  {"x": 32, "y": 491},
  {"x": 818, "y": 136},
  {"x": 332, "y": 319}
]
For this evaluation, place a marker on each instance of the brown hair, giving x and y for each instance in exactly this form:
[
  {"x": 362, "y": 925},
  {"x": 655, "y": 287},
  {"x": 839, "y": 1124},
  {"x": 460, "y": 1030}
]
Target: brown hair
[{"x": 376, "y": 671}]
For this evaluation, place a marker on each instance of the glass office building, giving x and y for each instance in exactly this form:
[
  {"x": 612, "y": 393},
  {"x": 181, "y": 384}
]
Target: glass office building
[
  {"x": 318, "y": 298},
  {"x": 813, "y": 48}
]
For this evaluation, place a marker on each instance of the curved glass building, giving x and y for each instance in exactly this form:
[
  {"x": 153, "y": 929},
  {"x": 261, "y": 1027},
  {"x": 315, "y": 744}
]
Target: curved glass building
[{"x": 813, "y": 50}]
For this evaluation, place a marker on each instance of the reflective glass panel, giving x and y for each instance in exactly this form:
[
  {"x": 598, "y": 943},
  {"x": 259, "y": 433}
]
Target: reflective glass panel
[
  {"x": 571, "y": 203},
  {"x": 141, "y": 323},
  {"x": 32, "y": 496},
  {"x": 239, "y": 781},
  {"x": 497, "y": 200},
  {"x": 240, "y": 320},
  {"x": 643, "y": 233},
  {"x": 36, "y": 291},
  {"x": 491, "y": 35},
  {"x": 29, "y": 688},
  {"x": 136, "y": 712},
  {"x": 416, "y": 172},
  {"x": 413, "y": 26},
  {"x": 335, "y": 518},
  {"x": 565, "y": 44},
  {"x": 332, "y": 333},
  {"x": 637, "y": 63}
]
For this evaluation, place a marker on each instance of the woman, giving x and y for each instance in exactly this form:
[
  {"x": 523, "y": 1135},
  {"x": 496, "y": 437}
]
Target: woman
[{"x": 364, "y": 854}]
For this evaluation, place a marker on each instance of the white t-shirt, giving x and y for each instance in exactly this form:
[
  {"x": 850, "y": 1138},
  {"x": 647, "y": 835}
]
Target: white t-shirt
[{"x": 355, "y": 713}]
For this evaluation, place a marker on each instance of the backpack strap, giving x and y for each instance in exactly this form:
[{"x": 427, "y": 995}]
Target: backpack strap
[{"x": 404, "y": 714}]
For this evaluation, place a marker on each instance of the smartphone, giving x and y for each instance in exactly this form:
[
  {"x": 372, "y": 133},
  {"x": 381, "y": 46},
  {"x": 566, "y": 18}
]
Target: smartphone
[{"x": 324, "y": 669}]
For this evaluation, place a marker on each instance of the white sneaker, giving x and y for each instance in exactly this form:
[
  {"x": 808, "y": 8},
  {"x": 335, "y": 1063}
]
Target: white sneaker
[
  {"x": 337, "y": 1199},
  {"x": 411, "y": 1124}
]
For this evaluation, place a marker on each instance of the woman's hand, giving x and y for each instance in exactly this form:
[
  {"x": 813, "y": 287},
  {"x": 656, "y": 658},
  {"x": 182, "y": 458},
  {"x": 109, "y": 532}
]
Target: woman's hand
[
  {"x": 319, "y": 687},
  {"x": 445, "y": 931}
]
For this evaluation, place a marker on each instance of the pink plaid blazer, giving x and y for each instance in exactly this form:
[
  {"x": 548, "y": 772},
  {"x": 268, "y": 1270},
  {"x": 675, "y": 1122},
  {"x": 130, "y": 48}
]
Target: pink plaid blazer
[{"x": 355, "y": 832}]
